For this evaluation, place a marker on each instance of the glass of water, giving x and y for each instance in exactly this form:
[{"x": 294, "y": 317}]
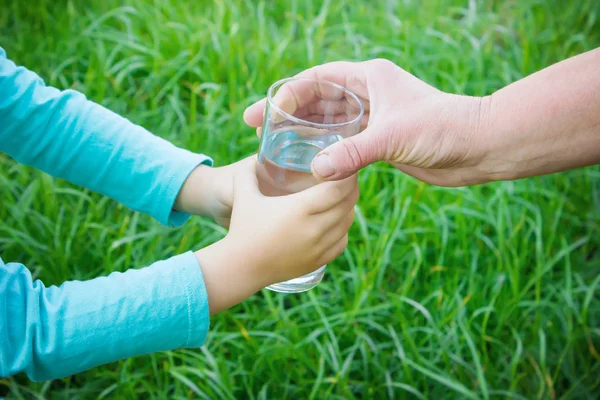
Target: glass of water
[{"x": 302, "y": 117}]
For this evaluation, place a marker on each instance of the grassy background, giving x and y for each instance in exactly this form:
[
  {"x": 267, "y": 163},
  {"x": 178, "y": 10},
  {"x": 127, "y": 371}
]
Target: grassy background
[{"x": 484, "y": 292}]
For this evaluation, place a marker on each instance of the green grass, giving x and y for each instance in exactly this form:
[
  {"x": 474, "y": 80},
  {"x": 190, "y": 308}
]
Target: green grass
[{"x": 490, "y": 292}]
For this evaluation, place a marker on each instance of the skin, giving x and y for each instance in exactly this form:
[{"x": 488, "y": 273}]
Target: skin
[
  {"x": 261, "y": 248},
  {"x": 544, "y": 123}
]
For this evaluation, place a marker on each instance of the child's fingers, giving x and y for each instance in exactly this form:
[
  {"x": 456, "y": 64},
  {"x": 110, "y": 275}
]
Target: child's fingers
[
  {"x": 334, "y": 251},
  {"x": 336, "y": 200},
  {"x": 337, "y": 215},
  {"x": 323, "y": 197},
  {"x": 348, "y": 221},
  {"x": 335, "y": 228}
]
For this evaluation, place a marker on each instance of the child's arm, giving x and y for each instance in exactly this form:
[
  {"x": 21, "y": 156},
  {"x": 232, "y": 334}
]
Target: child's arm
[
  {"x": 51, "y": 332},
  {"x": 65, "y": 135}
]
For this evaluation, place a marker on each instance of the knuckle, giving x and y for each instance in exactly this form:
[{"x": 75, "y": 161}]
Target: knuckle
[
  {"x": 352, "y": 154},
  {"x": 304, "y": 206},
  {"x": 335, "y": 191},
  {"x": 382, "y": 63},
  {"x": 314, "y": 233}
]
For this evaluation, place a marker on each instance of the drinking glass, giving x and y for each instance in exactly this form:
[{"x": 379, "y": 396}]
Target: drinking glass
[{"x": 302, "y": 117}]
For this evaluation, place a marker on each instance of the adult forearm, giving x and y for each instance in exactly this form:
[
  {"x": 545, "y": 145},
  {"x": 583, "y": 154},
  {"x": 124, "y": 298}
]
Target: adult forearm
[{"x": 547, "y": 122}]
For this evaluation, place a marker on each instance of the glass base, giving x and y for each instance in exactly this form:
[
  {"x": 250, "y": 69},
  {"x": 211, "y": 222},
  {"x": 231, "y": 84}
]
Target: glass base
[{"x": 301, "y": 284}]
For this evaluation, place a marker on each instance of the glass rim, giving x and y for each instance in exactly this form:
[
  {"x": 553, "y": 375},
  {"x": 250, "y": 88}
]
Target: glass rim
[{"x": 287, "y": 115}]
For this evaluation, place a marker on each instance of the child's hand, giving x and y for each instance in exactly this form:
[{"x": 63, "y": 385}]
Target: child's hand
[
  {"x": 209, "y": 191},
  {"x": 289, "y": 236},
  {"x": 273, "y": 239}
]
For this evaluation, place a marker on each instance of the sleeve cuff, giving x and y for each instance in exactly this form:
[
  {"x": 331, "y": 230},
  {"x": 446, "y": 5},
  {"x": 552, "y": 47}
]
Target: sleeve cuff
[
  {"x": 59, "y": 331},
  {"x": 187, "y": 163},
  {"x": 198, "y": 307}
]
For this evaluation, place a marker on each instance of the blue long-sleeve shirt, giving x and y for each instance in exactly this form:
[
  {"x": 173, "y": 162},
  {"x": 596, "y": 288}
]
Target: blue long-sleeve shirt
[{"x": 50, "y": 332}]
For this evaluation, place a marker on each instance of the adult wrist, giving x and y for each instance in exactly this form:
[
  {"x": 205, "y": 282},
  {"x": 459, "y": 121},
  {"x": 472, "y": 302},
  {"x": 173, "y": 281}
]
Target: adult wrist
[
  {"x": 495, "y": 142},
  {"x": 474, "y": 122}
]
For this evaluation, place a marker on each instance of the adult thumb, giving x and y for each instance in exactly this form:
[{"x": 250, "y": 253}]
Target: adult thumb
[{"x": 344, "y": 158}]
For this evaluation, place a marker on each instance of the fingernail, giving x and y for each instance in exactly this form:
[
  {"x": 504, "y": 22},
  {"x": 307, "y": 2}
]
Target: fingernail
[{"x": 323, "y": 166}]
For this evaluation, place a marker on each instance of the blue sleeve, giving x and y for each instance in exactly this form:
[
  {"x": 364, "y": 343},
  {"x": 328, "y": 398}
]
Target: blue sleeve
[
  {"x": 70, "y": 137},
  {"x": 52, "y": 332}
]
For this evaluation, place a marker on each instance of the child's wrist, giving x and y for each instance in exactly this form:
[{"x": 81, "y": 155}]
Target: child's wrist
[
  {"x": 230, "y": 276},
  {"x": 197, "y": 187},
  {"x": 249, "y": 260}
]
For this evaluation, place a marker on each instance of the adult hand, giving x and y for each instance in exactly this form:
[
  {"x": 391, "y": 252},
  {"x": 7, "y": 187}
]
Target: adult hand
[
  {"x": 429, "y": 134},
  {"x": 544, "y": 123}
]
